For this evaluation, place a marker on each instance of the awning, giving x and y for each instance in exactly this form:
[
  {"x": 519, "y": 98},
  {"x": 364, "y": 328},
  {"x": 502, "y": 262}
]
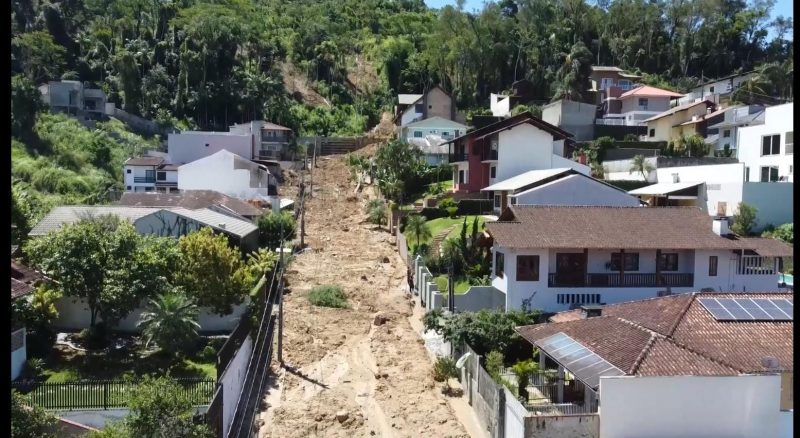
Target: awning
[
  {"x": 525, "y": 179},
  {"x": 663, "y": 189}
]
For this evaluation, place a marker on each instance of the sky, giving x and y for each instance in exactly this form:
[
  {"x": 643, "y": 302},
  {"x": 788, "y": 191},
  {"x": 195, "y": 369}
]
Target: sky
[{"x": 782, "y": 7}]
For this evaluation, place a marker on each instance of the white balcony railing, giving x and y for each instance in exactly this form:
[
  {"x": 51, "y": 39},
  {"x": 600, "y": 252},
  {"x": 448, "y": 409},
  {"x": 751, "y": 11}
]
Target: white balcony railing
[{"x": 756, "y": 265}]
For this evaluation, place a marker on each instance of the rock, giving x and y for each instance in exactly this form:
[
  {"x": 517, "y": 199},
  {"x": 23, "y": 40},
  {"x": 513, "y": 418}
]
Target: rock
[
  {"x": 372, "y": 433},
  {"x": 385, "y": 259},
  {"x": 385, "y": 375},
  {"x": 318, "y": 417},
  {"x": 380, "y": 319},
  {"x": 341, "y": 416},
  {"x": 363, "y": 278},
  {"x": 345, "y": 229}
]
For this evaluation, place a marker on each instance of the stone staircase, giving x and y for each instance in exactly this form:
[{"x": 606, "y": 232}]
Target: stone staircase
[{"x": 436, "y": 243}]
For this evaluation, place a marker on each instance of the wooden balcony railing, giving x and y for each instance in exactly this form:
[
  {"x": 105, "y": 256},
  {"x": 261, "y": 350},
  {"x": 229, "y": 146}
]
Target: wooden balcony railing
[
  {"x": 624, "y": 280},
  {"x": 454, "y": 158}
]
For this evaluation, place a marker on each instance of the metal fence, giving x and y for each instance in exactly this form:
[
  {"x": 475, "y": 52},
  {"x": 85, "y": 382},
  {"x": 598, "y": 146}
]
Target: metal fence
[{"x": 103, "y": 394}]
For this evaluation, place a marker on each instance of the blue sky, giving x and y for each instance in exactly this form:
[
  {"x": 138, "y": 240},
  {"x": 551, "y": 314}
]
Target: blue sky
[{"x": 782, "y": 7}]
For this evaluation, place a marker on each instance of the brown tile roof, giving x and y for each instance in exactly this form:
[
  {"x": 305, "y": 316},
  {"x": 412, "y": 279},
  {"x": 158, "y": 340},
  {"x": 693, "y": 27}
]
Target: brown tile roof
[
  {"x": 520, "y": 118},
  {"x": 190, "y": 199},
  {"x": 766, "y": 247},
  {"x": 23, "y": 280},
  {"x": 20, "y": 289},
  {"x": 646, "y": 90},
  {"x": 676, "y": 335},
  {"x": 538, "y": 226},
  {"x": 275, "y": 127},
  {"x": 144, "y": 161},
  {"x": 677, "y": 109}
]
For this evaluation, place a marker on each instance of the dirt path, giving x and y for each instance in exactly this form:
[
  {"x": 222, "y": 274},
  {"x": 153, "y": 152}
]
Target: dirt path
[{"x": 350, "y": 377}]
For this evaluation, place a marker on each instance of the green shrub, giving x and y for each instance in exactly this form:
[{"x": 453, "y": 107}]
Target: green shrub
[
  {"x": 95, "y": 337},
  {"x": 445, "y": 368},
  {"x": 745, "y": 219},
  {"x": 31, "y": 422},
  {"x": 35, "y": 367},
  {"x": 270, "y": 226},
  {"x": 446, "y": 203},
  {"x": 209, "y": 353},
  {"x": 451, "y": 212},
  {"x": 494, "y": 364},
  {"x": 328, "y": 296}
]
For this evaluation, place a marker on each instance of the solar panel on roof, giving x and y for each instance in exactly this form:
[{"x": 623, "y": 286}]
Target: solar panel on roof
[
  {"x": 584, "y": 364},
  {"x": 747, "y": 309}
]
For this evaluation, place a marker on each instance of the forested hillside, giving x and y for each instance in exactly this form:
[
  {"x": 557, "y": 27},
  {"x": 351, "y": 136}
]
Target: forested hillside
[{"x": 326, "y": 67}]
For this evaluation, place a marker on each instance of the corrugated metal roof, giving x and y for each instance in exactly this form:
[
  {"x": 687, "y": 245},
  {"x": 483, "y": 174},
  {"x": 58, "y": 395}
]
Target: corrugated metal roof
[
  {"x": 217, "y": 221},
  {"x": 527, "y": 178},
  {"x": 68, "y": 214},
  {"x": 408, "y": 99},
  {"x": 663, "y": 188}
]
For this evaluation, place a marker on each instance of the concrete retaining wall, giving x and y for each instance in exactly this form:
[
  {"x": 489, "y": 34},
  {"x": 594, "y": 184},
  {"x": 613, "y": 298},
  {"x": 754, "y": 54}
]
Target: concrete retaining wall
[
  {"x": 474, "y": 299},
  {"x": 563, "y": 426}
]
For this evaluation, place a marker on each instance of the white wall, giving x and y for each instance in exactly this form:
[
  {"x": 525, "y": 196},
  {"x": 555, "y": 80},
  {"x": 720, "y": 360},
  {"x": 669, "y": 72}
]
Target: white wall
[
  {"x": 514, "y": 416},
  {"x": 18, "y": 356},
  {"x": 690, "y": 406},
  {"x": 778, "y": 120},
  {"x": 500, "y": 105},
  {"x": 774, "y": 202},
  {"x": 616, "y": 170},
  {"x": 525, "y": 147},
  {"x": 232, "y": 380},
  {"x": 232, "y": 182},
  {"x": 73, "y": 314},
  {"x": 191, "y": 145},
  {"x": 576, "y": 190},
  {"x": 434, "y": 125},
  {"x": 409, "y": 115}
]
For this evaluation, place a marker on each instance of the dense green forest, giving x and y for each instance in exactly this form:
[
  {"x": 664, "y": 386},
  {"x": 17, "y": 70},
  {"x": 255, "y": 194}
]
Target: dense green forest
[{"x": 327, "y": 67}]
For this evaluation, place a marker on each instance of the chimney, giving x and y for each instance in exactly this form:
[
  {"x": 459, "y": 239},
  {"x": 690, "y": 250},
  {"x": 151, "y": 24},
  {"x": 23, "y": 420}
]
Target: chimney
[
  {"x": 720, "y": 226},
  {"x": 591, "y": 310}
]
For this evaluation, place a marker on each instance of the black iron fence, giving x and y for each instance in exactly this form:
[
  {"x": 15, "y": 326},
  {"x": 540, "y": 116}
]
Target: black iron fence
[{"x": 103, "y": 394}]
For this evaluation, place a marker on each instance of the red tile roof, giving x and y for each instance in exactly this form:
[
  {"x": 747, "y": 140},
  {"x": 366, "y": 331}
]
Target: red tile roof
[
  {"x": 144, "y": 161},
  {"x": 676, "y": 335},
  {"x": 23, "y": 280},
  {"x": 648, "y": 91}
]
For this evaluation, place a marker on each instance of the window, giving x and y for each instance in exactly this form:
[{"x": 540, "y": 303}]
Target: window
[
  {"x": 578, "y": 298},
  {"x": 528, "y": 268},
  {"x": 631, "y": 261},
  {"x": 722, "y": 208},
  {"x": 711, "y": 89},
  {"x": 771, "y": 145},
  {"x": 712, "y": 266},
  {"x": 789, "y": 142},
  {"x": 206, "y": 144},
  {"x": 150, "y": 174},
  {"x": 148, "y": 189},
  {"x": 457, "y": 133},
  {"x": 127, "y": 171},
  {"x": 417, "y": 134},
  {"x": 625, "y": 84},
  {"x": 652, "y": 133},
  {"x": 643, "y": 102},
  {"x": 445, "y": 134},
  {"x": 513, "y": 200},
  {"x": 161, "y": 176},
  {"x": 605, "y": 83},
  {"x": 497, "y": 200},
  {"x": 769, "y": 173},
  {"x": 498, "y": 264},
  {"x": 418, "y": 108},
  {"x": 747, "y": 174},
  {"x": 128, "y": 188},
  {"x": 462, "y": 176},
  {"x": 668, "y": 262},
  {"x": 726, "y": 133},
  {"x": 493, "y": 172},
  {"x": 430, "y": 106}
]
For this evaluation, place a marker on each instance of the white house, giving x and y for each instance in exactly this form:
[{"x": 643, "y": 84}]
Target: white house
[
  {"x": 189, "y": 146},
  {"x": 444, "y": 128},
  {"x": 716, "y": 88},
  {"x": 552, "y": 258},
  {"x": 433, "y": 147},
  {"x": 75, "y": 98},
  {"x": 767, "y": 150},
  {"x": 150, "y": 174},
  {"x": 434, "y": 102},
  {"x": 727, "y": 131},
  {"x": 633, "y": 107},
  {"x": 228, "y": 173},
  {"x": 674, "y": 363},
  {"x": 23, "y": 283},
  {"x": 561, "y": 186},
  {"x": 268, "y": 140}
]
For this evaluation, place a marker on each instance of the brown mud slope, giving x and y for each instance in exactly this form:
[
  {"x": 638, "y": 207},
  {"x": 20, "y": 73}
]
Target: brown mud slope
[{"x": 361, "y": 371}]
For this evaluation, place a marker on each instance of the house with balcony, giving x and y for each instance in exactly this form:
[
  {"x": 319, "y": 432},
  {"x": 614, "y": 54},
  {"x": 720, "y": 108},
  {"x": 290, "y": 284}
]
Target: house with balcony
[
  {"x": 671, "y": 123},
  {"x": 726, "y": 132},
  {"x": 633, "y": 107},
  {"x": 432, "y": 103},
  {"x": 75, "y": 98},
  {"x": 554, "y": 258},
  {"x": 506, "y": 149},
  {"x": 445, "y": 128},
  {"x": 269, "y": 141},
  {"x": 670, "y": 363},
  {"x": 716, "y": 90},
  {"x": 561, "y": 186},
  {"x": 150, "y": 174},
  {"x": 230, "y": 174},
  {"x": 767, "y": 150}
]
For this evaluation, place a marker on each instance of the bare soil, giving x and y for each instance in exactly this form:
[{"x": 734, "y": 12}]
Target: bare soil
[{"x": 354, "y": 372}]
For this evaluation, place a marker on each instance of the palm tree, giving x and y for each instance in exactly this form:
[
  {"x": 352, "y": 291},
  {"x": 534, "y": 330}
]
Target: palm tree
[
  {"x": 641, "y": 165},
  {"x": 376, "y": 210},
  {"x": 419, "y": 228},
  {"x": 692, "y": 146},
  {"x": 170, "y": 322}
]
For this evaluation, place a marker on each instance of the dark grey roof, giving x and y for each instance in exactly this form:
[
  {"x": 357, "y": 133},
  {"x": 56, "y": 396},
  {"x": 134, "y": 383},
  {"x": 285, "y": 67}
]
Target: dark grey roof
[{"x": 191, "y": 199}]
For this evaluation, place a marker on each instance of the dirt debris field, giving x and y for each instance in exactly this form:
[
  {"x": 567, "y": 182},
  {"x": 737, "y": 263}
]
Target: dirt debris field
[{"x": 356, "y": 372}]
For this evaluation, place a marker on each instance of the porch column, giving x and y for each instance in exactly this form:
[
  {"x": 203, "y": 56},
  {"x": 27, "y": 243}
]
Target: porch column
[
  {"x": 560, "y": 389},
  {"x": 585, "y": 266},
  {"x": 622, "y": 267},
  {"x": 658, "y": 267},
  {"x": 541, "y": 360}
]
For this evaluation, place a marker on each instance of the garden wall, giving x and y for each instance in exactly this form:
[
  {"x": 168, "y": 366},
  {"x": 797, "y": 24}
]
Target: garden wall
[
  {"x": 474, "y": 299},
  {"x": 563, "y": 426},
  {"x": 73, "y": 314},
  {"x": 232, "y": 380}
]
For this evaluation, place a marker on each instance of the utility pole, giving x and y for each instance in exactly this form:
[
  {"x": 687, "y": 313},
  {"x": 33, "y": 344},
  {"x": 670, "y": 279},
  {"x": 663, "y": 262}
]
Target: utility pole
[
  {"x": 280, "y": 301},
  {"x": 451, "y": 305},
  {"x": 302, "y": 216}
]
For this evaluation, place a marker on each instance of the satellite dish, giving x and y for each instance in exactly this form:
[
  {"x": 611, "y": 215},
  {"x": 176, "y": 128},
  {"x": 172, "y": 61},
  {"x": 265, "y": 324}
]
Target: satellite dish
[
  {"x": 461, "y": 360},
  {"x": 770, "y": 362}
]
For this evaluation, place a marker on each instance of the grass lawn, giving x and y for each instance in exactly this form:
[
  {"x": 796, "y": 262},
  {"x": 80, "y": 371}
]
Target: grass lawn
[
  {"x": 461, "y": 286},
  {"x": 65, "y": 364},
  {"x": 442, "y": 223},
  {"x": 446, "y": 186}
]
